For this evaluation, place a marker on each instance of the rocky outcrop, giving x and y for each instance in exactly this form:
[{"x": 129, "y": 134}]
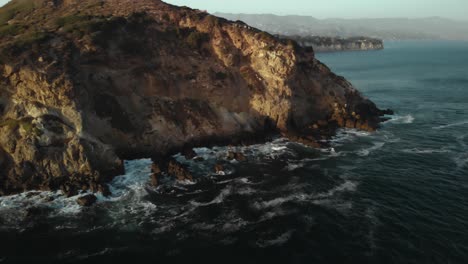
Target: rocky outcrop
[
  {"x": 87, "y": 200},
  {"x": 95, "y": 82},
  {"x": 329, "y": 44}
]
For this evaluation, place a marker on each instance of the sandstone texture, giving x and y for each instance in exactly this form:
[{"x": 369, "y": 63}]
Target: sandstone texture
[{"x": 87, "y": 84}]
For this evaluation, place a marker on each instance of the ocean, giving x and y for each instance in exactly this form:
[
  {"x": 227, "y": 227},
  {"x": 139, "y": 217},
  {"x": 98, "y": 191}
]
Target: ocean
[{"x": 399, "y": 195}]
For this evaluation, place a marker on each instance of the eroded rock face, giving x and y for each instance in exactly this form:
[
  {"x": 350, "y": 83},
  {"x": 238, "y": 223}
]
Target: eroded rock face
[{"x": 121, "y": 79}]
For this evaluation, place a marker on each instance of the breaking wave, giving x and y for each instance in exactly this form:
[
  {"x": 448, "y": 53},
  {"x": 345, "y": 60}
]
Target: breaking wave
[{"x": 407, "y": 119}]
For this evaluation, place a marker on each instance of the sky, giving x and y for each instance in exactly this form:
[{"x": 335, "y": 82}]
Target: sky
[{"x": 454, "y": 9}]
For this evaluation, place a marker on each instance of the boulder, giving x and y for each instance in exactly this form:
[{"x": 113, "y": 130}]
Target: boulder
[
  {"x": 155, "y": 174},
  {"x": 87, "y": 200},
  {"x": 239, "y": 156},
  {"x": 189, "y": 153},
  {"x": 179, "y": 171},
  {"x": 219, "y": 168}
]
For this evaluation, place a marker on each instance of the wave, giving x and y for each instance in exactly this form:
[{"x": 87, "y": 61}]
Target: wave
[
  {"x": 347, "y": 186},
  {"x": 280, "y": 240},
  {"x": 217, "y": 200},
  {"x": 452, "y": 125},
  {"x": 425, "y": 151},
  {"x": 367, "y": 151},
  {"x": 407, "y": 119},
  {"x": 292, "y": 166},
  {"x": 461, "y": 160}
]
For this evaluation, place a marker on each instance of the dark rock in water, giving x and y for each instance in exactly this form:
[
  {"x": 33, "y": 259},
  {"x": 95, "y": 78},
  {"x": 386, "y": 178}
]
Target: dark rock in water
[
  {"x": 308, "y": 140},
  {"x": 219, "y": 168},
  {"x": 387, "y": 112},
  {"x": 189, "y": 153},
  {"x": 155, "y": 174},
  {"x": 68, "y": 190},
  {"x": 179, "y": 171},
  {"x": 198, "y": 159},
  {"x": 37, "y": 211},
  {"x": 104, "y": 189},
  {"x": 231, "y": 155},
  {"x": 87, "y": 200},
  {"x": 32, "y": 194},
  {"x": 240, "y": 157}
]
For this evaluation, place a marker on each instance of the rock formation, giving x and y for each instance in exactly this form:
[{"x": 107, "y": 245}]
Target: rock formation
[{"x": 85, "y": 84}]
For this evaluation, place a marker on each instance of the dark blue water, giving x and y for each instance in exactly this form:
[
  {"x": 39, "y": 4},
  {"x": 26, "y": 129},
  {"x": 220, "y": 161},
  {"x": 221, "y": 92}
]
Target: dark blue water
[{"x": 399, "y": 195}]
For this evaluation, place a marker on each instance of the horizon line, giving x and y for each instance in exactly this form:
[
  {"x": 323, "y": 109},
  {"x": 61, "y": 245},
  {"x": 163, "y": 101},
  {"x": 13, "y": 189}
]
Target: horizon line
[{"x": 356, "y": 18}]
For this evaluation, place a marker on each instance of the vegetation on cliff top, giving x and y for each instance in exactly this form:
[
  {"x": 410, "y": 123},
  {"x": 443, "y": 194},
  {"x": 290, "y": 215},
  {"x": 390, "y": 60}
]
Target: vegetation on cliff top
[{"x": 10, "y": 10}]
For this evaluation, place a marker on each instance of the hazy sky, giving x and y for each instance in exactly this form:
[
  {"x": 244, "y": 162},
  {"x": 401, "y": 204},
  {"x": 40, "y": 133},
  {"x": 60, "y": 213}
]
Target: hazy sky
[{"x": 455, "y": 9}]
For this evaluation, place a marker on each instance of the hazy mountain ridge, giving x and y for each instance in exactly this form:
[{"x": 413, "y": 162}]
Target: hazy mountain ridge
[{"x": 382, "y": 28}]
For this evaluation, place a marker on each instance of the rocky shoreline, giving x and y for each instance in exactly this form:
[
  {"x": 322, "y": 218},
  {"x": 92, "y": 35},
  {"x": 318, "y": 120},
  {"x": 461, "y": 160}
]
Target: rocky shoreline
[{"x": 83, "y": 91}]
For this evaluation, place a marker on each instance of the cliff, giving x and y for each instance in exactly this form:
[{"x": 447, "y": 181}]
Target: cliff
[
  {"x": 328, "y": 44},
  {"x": 85, "y": 84}
]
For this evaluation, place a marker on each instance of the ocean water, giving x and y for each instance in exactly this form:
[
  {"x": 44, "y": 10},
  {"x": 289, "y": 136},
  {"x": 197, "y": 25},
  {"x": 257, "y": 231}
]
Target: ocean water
[{"x": 399, "y": 195}]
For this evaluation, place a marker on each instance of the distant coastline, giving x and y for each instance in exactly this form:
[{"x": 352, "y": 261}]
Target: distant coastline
[{"x": 332, "y": 44}]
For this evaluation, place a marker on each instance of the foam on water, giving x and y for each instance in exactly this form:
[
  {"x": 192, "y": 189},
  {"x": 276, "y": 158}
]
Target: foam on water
[
  {"x": 462, "y": 123},
  {"x": 406, "y": 119},
  {"x": 346, "y": 186},
  {"x": 367, "y": 151},
  {"x": 425, "y": 151},
  {"x": 281, "y": 239}
]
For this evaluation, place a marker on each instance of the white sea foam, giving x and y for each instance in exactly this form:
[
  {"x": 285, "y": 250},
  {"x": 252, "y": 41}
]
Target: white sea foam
[
  {"x": 217, "y": 200},
  {"x": 280, "y": 200},
  {"x": 407, "y": 119},
  {"x": 461, "y": 160},
  {"x": 294, "y": 165},
  {"x": 425, "y": 151},
  {"x": 232, "y": 222},
  {"x": 462, "y": 123},
  {"x": 281, "y": 239},
  {"x": 367, "y": 151},
  {"x": 347, "y": 186}
]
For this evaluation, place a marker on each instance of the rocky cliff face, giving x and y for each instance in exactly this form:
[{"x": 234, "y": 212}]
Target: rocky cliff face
[
  {"x": 85, "y": 84},
  {"x": 329, "y": 44}
]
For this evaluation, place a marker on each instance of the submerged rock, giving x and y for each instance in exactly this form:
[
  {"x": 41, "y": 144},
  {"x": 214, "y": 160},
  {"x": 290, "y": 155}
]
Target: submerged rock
[
  {"x": 87, "y": 200},
  {"x": 239, "y": 156},
  {"x": 144, "y": 79},
  {"x": 189, "y": 153},
  {"x": 219, "y": 168}
]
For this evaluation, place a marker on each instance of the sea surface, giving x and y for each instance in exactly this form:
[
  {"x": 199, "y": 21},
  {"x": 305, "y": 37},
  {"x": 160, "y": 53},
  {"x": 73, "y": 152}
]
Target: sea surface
[{"x": 399, "y": 195}]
